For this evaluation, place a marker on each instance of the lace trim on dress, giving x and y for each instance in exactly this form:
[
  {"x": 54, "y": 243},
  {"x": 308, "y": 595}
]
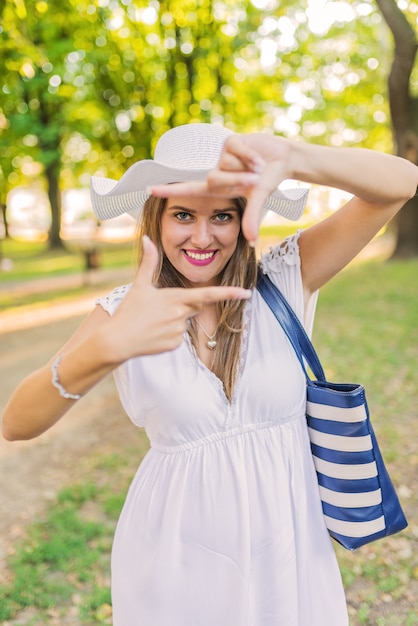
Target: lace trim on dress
[
  {"x": 285, "y": 252},
  {"x": 246, "y": 318},
  {"x": 107, "y": 301}
]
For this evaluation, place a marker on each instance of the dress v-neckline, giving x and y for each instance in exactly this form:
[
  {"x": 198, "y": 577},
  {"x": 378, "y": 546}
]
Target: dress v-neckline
[{"x": 210, "y": 375}]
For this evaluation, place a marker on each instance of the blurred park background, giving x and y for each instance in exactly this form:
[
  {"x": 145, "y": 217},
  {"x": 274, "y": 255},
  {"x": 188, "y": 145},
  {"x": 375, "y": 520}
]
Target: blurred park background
[{"x": 86, "y": 88}]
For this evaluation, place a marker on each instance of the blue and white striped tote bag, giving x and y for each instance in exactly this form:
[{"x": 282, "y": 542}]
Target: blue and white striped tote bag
[{"x": 358, "y": 498}]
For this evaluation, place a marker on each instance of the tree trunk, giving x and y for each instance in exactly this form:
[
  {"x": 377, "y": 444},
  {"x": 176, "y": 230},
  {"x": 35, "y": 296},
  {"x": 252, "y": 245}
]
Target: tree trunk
[
  {"x": 406, "y": 222},
  {"x": 407, "y": 231},
  {"x": 403, "y": 109},
  {"x": 3, "y": 207},
  {"x": 54, "y": 195}
]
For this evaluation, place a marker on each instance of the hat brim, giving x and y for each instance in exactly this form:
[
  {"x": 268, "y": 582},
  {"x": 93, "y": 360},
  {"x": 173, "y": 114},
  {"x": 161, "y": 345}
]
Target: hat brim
[{"x": 111, "y": 198}]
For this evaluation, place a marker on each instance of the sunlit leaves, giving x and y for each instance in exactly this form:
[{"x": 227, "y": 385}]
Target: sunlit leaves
[{"x": 118, "y": 73}]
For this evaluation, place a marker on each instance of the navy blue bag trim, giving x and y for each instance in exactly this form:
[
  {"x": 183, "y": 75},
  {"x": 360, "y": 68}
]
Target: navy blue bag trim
[{"x": 358, "y": 498}]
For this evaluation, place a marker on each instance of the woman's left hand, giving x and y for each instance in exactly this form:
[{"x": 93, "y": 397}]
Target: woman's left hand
[{"x": 250, "y": 166}]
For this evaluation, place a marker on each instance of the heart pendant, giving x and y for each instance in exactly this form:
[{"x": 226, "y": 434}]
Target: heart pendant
[{"x": 211, "y": 344}]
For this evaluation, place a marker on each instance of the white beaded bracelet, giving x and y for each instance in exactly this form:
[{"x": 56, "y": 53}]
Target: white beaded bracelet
[{"x": 56, "y": 381}]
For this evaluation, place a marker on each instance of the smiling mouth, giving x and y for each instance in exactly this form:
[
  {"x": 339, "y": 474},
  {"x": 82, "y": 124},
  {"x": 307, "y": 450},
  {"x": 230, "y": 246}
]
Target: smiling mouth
[{"x": 200, "y": 258}]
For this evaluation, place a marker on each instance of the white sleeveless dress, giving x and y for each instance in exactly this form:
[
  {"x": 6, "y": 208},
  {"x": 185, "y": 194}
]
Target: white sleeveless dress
[{"x": 222, "y": 525}]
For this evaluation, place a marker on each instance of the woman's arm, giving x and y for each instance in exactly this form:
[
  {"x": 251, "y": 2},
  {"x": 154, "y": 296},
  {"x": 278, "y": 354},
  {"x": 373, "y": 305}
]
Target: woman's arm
[
  {"x": 380, "y": 183},
  {"x": 36, "y": 404},
  {"x": 148, "y": 321}
]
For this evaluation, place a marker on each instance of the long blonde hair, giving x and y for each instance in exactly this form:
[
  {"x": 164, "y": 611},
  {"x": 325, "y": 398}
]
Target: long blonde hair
[{"x": 241, "y": 270}]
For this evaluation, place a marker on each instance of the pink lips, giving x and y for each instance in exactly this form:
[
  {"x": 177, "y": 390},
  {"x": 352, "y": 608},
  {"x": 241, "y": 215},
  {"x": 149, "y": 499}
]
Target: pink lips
[{"x": 199, "y": 257}]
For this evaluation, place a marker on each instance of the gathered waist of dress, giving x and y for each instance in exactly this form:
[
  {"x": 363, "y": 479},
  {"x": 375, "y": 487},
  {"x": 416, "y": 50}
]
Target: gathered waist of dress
[{"x": 231, "y": 433}]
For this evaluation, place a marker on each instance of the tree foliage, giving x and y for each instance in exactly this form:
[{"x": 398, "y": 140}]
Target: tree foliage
[{"x": 88, "y": 87}]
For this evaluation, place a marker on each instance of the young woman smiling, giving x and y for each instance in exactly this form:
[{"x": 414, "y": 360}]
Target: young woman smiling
[{"x": 222, "y": 524}]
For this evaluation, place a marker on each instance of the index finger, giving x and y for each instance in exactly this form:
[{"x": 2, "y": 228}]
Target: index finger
[
  {"x": 239, "y": 148},
  {"x": 253, "y": 213},
  {"x": 198, "y": 296},
  {"x": 174, "y": 190}
]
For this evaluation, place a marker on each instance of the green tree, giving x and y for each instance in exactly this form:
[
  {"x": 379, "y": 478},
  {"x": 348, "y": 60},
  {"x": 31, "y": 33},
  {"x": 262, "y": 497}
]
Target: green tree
[
  {"x": 403, "y": 97},
  {"x": 89, "y": 88},
  {"x": 42, "y": 94}
]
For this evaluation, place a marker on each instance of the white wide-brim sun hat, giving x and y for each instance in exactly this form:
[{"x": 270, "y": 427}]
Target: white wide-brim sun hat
[{"x": 184, "y": 153}]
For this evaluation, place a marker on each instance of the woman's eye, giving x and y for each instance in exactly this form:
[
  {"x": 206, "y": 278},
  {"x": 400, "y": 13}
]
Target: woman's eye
[
  {"x": 182, "y": 216},
  {"x": 223, "y": 217}
]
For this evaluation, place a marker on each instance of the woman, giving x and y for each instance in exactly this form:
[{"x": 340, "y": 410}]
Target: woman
[{"x": 222, "y": 524}]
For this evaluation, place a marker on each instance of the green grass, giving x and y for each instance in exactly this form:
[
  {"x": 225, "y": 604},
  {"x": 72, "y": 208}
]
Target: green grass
[
  {"x": 366, "y": 331},
  {"x": 33, "y": 259},
  {"x": 58, "y": 556},
  {"x": 11, "y": 302},
  {"x": 62, "y": 567}
]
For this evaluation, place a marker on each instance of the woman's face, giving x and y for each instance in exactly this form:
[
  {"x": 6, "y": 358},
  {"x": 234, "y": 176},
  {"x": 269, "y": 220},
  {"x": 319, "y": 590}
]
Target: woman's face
[{"x": 199, "y": 236}]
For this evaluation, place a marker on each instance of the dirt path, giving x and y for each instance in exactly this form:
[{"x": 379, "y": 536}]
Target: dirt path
[{"x": 32, "y": 472}]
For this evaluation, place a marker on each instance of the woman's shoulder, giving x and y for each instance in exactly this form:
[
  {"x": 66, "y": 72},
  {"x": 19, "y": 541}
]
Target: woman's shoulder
[
  {"x": 285, "y": 254},
  {"x": 111, "y": 301},
  {"x": 283, "y": 266}
]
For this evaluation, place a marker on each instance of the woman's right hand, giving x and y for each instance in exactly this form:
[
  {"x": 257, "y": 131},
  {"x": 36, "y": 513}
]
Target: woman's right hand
[
  {"x": 151, "y": 320},
  {"x": 148, "y": 321}
]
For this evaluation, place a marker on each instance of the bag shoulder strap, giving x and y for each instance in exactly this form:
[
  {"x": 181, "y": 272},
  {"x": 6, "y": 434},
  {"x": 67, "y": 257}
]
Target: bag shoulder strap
[{"x": 291, "y": 325}]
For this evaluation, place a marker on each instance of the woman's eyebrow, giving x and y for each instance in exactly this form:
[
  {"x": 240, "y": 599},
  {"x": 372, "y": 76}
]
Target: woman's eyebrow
[
  {"x": 177, "y": 207},
  {"x": 226, "y": 209}
]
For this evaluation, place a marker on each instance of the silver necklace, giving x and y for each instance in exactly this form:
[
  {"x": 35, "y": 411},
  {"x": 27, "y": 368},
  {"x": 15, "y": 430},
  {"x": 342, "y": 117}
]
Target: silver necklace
[{"x": 211, "y": 343}]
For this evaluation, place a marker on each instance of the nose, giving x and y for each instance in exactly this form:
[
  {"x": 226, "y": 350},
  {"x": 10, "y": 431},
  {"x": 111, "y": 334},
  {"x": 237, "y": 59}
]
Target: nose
[{"x": 202, "y": 235}]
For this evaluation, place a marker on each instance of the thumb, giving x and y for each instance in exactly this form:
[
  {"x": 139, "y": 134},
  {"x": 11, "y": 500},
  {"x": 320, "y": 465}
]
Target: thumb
[{"x": 149, "y": 262}]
